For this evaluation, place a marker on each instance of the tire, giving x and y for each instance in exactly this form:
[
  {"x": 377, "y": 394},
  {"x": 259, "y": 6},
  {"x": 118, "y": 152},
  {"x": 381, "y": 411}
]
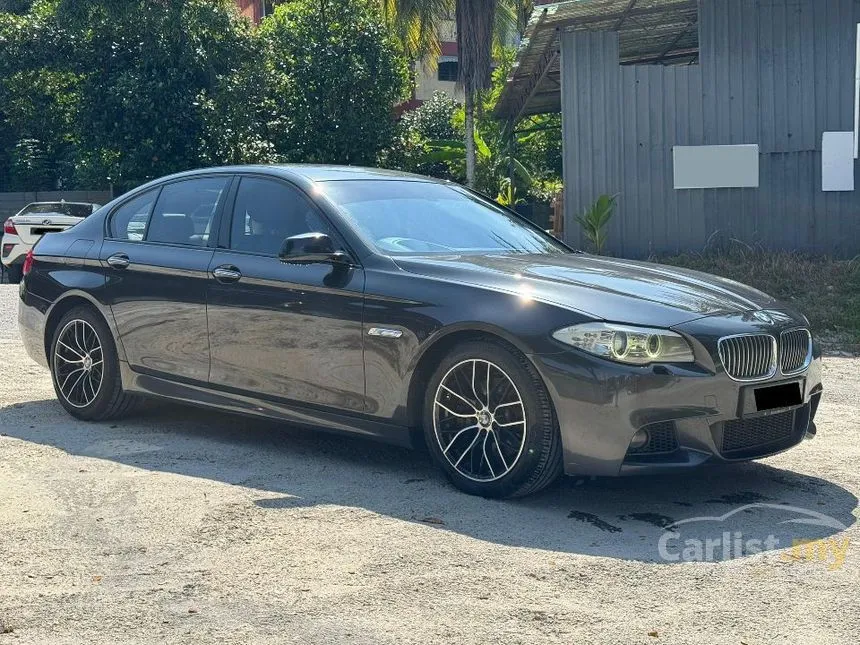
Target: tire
[
  {"x": 75, "y": 365},
  {"x": 15, "y": 273},
  {"x": 514, "y": 452}
]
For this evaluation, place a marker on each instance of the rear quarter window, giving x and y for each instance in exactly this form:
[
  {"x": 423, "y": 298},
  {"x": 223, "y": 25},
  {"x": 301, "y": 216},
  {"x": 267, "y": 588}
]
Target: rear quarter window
[{"x": 130, "y": 220}]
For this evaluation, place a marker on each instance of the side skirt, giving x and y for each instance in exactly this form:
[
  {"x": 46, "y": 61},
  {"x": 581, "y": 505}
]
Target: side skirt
[{"x": 208, "y": 397}]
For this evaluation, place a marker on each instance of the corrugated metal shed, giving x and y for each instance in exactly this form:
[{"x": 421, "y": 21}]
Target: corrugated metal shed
[
  {"x": 661, "y": 31},
  {"x": 776, "y": 73},
  {"x": 619, "y": 128}
]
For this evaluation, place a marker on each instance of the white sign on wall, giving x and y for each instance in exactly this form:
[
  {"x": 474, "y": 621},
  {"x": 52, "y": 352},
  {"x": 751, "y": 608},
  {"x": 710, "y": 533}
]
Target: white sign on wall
[
  {"x": 837, "y": 162},
  {"x": 716, "y": 166}
]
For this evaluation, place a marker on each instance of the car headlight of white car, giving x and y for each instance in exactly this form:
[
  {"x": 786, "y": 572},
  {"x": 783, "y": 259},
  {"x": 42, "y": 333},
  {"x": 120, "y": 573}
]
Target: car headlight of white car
[{"x": 627, "y": 344}]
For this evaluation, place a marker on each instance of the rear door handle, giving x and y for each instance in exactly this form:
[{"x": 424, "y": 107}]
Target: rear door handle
[
  {"x": 119, "y": 261},
  {"x": 227, "y": 273}
]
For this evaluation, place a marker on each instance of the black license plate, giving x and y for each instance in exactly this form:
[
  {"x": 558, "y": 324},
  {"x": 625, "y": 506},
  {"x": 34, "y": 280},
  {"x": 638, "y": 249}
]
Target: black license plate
[
  {"x": 42, "y": 231},
  {"x": 778, "y": 396}
]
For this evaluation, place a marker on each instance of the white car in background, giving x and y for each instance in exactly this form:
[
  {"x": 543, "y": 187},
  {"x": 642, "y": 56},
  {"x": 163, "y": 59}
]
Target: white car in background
[{"x": 22, "y": 231}]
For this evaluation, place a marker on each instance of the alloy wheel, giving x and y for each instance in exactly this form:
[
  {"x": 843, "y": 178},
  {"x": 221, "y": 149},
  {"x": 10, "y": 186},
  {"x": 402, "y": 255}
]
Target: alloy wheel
[
  {"x": 79, "y": 363},
  {"x": 479, "y": 420}
]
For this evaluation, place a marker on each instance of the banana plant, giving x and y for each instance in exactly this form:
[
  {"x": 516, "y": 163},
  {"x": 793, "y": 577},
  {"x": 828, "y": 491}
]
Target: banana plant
[
  {"x": 493, "y": 161},
  {"x": 508, "y": 194}
]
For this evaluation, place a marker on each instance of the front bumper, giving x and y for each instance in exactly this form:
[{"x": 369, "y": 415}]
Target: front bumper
[{"x": 694, "y": 414}]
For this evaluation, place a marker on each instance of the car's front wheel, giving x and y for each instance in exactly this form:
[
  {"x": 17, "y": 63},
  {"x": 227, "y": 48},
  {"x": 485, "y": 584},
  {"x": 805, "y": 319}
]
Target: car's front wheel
[
  {"x": 489, "y": 422},
  {"x": 85, "y": 367}
]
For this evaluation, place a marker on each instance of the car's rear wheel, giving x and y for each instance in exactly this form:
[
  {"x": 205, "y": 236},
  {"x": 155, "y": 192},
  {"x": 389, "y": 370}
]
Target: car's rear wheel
[
  {"x": 15, "y": 273},
  {"x": 489, "y": 422},
  {"x": 85, "y": 367}
]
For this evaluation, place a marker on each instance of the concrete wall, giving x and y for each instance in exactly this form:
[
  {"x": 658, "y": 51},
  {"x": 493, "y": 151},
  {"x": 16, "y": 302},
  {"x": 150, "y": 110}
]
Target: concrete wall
[
  {"x": 427, "y": 82},
  {"x": 11, "y": 203},
  {"x": 777, "y": 73}
]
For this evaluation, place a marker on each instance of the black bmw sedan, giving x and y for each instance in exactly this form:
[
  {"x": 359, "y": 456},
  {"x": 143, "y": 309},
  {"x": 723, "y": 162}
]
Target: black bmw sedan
[{"x": 409, "y": 309}]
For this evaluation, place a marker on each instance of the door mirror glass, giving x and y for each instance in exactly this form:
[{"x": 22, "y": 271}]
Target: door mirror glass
[{"x": 310, "y": 247}]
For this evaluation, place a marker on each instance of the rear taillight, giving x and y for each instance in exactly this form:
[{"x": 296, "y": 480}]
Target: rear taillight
[
  {"x": 9, "y": 227},
  {"x": 28, "y": 263}
]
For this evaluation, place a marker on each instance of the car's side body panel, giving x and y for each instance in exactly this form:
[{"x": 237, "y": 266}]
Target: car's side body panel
[
  {"x": 263, "y": 406},
  {"x": 159, "y": 305},
  {"x": 288, "y": 331}
]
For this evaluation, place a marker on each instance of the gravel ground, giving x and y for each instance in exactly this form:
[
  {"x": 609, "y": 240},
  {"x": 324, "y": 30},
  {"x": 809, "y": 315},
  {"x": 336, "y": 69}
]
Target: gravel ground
[{"x": 184, "y": 526}]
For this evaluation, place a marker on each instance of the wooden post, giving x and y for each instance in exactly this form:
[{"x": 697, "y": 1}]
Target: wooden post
[{"x": 558, "y": 215}]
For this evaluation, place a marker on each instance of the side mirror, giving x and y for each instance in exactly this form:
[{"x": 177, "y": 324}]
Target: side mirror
[{"x": 309, "y": 248}]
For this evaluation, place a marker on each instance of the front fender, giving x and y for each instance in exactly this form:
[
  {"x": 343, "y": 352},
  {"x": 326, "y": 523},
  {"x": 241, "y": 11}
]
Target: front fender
[{"x": 424, "y": 313}]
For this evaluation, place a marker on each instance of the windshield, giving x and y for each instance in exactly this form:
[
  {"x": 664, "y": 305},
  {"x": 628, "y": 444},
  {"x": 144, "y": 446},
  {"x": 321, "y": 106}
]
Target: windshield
[
  {"x": 411, "y": 217},
  {"x": 74, "y": 210}
]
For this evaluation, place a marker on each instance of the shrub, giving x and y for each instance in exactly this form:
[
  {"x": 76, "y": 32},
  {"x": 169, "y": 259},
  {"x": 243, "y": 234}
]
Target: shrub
[
  {"x": 430, "y": 121},
  {"x": 336, "y": 74}
]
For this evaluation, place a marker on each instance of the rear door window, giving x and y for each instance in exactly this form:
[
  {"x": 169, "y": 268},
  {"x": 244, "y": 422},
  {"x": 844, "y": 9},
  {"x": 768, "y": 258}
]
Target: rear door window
[{"x": 186, "y": 210}]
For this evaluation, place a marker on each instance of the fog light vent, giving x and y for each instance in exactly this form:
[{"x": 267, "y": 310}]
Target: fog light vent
[
  {"x": 659, "y": 439},
  {"x": 640, "y": 440}
]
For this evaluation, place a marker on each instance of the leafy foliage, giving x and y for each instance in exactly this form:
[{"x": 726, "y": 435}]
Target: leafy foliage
[
  {"x": 508, "y": 194},
  {"x": 162, "y": 64},
  {"x": 594, "y": 220},
  {"x": 410, "y": 150},
  {"x": 494, "y": 161},
  {"x": 416, "y": 23},
  {"x": 36, "y": 105},
  {"x": 433, "y": 119},
  {"x": 337, "y": 73},
  {"x": 534, "y": 159},
  {"x": 122, "y": 91},
  {"x": 15, "y": 6},
  {"x": 480, "y": 24}
]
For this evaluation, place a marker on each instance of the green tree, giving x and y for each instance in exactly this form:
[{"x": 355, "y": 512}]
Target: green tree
[
  {"x": 151, "y": 76},
  {"x": 126, "y": 90},
  {"x": 336, "y": 74},
  {"x": 37, "y": 105},
  {"x": 15, "y": 6},
  {"x": 479, "y": 23},
  {"x": 433, "y": 119}
]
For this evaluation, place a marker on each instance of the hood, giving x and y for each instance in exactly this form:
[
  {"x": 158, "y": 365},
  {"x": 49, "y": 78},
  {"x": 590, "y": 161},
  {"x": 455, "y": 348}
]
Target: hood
[{"x": 607, "y": 288}]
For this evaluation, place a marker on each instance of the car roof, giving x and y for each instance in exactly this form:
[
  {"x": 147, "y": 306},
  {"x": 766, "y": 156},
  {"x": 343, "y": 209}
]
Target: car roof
[
  {"x": 313, "y": 172},
  {"x": 341, "y": 173}
]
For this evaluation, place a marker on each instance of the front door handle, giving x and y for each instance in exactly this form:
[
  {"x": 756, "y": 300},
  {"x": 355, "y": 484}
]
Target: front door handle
[
  {"x": 119, "y": 261},
  {"x": 227, "y": 273}
]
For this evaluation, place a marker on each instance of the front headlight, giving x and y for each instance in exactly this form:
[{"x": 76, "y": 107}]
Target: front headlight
[{"x": 633, "y": 345}]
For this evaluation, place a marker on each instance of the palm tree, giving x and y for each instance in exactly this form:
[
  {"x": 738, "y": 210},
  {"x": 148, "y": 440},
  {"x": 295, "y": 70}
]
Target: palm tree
[{"x": 479, "y": 24}]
